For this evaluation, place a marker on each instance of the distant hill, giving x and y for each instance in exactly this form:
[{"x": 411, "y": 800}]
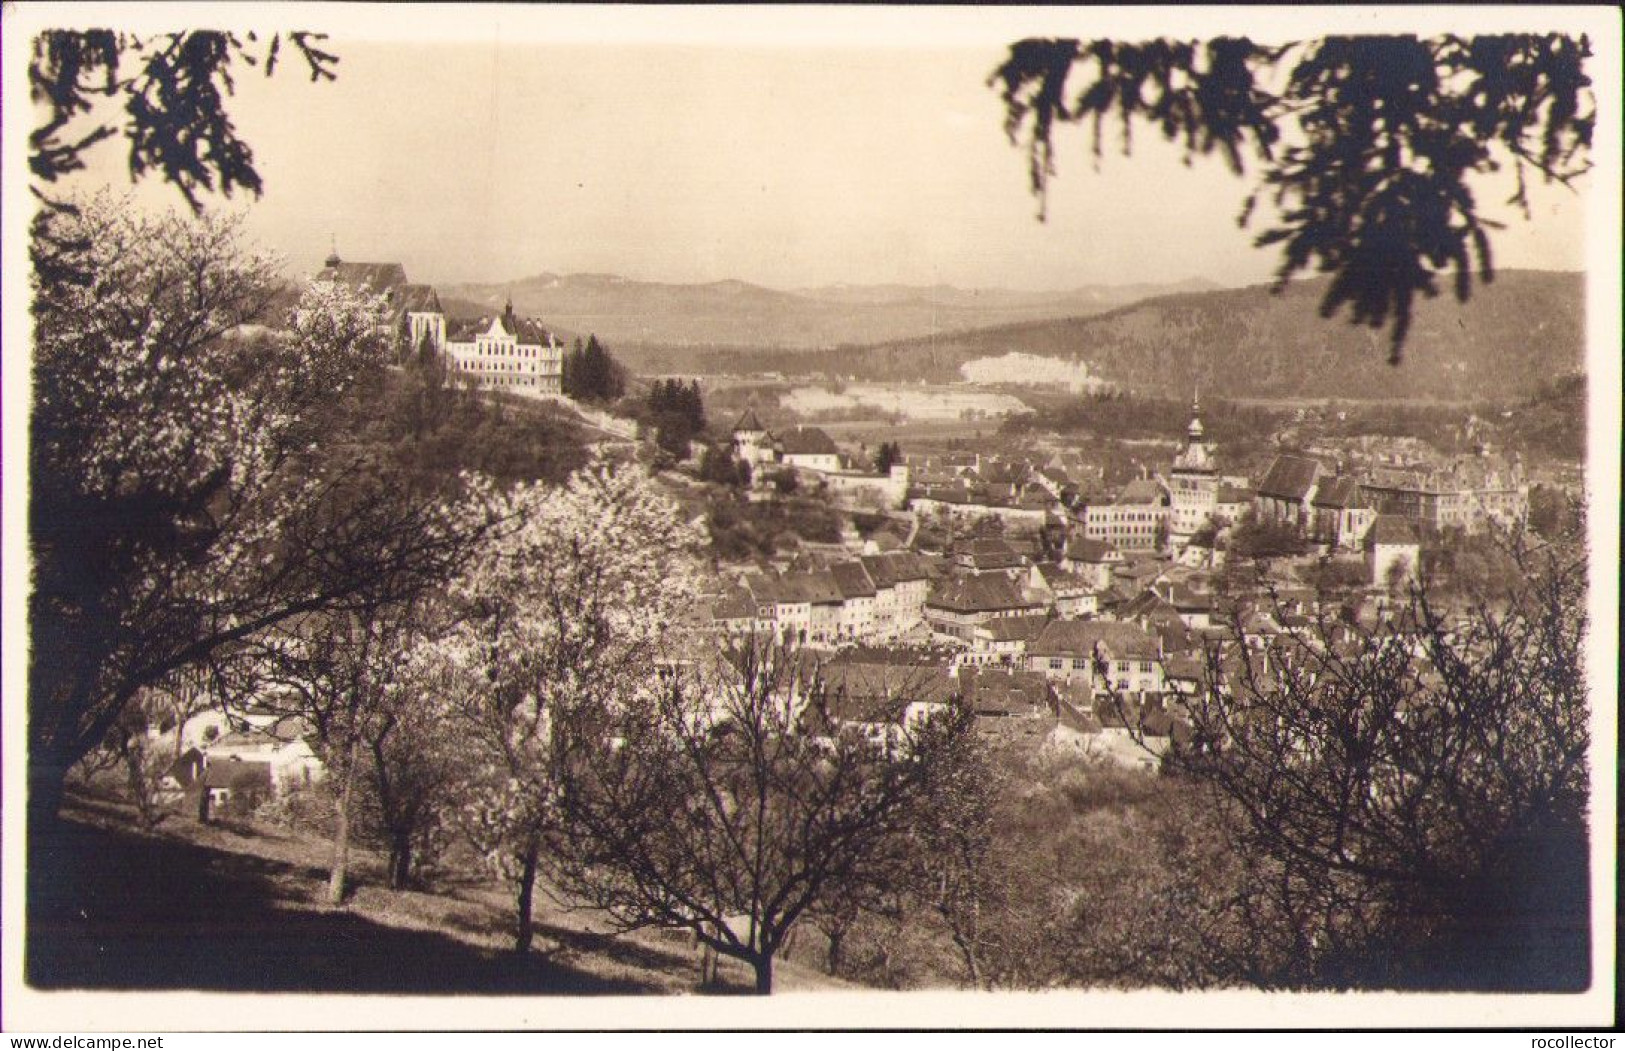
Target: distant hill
[
  {"x": 1525, "y": 327},
  {"x": 740, "y": 314}
]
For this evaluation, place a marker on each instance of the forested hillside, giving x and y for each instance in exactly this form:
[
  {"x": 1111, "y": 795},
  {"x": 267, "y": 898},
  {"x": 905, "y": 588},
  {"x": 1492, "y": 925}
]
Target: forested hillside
[{"x": 1524, "y": 328}]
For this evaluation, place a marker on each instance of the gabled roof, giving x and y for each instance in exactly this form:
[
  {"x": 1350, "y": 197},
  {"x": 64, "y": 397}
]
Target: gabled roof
[
  {"x": 997, "y": 692},
  {"x": 186, "y": 766},
  {"x": 1289, "y": 477},
  {"x": 378, "y": 277},
  {"x": 1023, "y": 628},
  {"x": 523, "y": 329},
  {"x": 818, "y": 588},
  {"x": 853, "y": 580},
  {"x": 986, "y": 593},
  {"x": 1078, "y": 638},
  {"x": 807, "y": 441},
  {"x": 1233, "y": 494},
  {"x": 895, "y": 568},
  {"x": 1059, "y": 580},
  {"x": 1342, "y": 493},
  {"x": 1391, "y": 529},
  {"x": 237, "y": 774},
  {"x": 283, "y": 732},
  {"x": 1082, "y": 549},
  {"x": 734, "y": 604},
  {"x": 989, "y": 553},
  {"x": 419, "y": 299},
  {"x": 749, "y": 422},
  {"x": 877, "y": 692},
  {"x": 1183, "y": 666},
  {"x": 1142, "y": 491}
]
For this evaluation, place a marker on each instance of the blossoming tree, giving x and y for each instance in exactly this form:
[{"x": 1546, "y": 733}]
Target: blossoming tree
[
  {"x": 191, "y": 479},
  {"x": 566, "y": 609}
]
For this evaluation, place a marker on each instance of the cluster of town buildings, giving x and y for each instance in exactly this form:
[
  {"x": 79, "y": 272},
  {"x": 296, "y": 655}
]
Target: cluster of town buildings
[
  {"x": 1057, "y": 608},
  {"x": 1062, "y": 612}
]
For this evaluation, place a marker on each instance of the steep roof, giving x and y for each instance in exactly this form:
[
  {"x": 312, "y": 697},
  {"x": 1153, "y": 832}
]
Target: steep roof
[
  {"x": 1342, "y": 493},
  {"x": 818, "y": 588},
  {"x": 1058, "y": 579},
  {"x": 734, "y": 604},
  {"x": 748, "y": 422},
  {"x": 237, "y": 774},
  {"x": 985, "y": 593},
  {"x": 522, "y": 329},
  {"x": 1082, "y": 549},
  {"x": 379, "y": 277},
  {"x": 989, "y": 553},
  {"x": 1023, "y": 628},
  {"x": 1289, "y": 477},
  {"x": 807, "y": 441},
  {"x": 997, "y": 692},
  {"x": 852, "y": 579},
  {"x": 419, "y": 299},
  {"x": 895, "y": 568},
  {"x": 875, "y": 692},
  {"x": 1391, "y": 529},
  {"x": 1072, "y": 638},
  {"x": 1142, "y": 491}
]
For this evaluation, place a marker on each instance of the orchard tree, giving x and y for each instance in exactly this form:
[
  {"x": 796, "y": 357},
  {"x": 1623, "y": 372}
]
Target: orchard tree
[
  {"x": 1366, "y": 145},
  {"x": 1410, "y": 799},
  {"x": 732, "y": 797},
  {"x": 345, "y": 675},
  {"x": 189, "y": 484},
  {"x": 560, "y": 615}
]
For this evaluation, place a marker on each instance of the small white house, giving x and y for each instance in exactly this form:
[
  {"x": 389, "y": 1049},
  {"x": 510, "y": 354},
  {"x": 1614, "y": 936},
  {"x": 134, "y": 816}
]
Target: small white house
[{"x": 1391, "y": 542}]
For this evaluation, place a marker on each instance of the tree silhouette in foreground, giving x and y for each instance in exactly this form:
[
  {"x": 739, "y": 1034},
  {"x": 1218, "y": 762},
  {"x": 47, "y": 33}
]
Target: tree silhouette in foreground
[
  {"x": 193, "y": 481},
  {"x": 733, "y": 801},
  {"x": 1409, "y": 798},
  {"x": 173, "y": 87},
  {"x": 1365, "y": 143}
]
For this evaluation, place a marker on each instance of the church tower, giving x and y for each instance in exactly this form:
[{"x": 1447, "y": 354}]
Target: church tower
[{"x": 1194, "y": 481}]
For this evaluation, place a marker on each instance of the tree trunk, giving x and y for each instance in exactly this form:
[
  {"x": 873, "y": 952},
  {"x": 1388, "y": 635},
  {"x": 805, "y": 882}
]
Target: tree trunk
[
  {"x": 46, "y": 779},
  {"x": 837, "y": 939},
  {"x": 400, "y": 860},
  {"x": 341, "y": 833},
  {"x": 764, "y": 973},
  {"x": 527, "y": 888}
]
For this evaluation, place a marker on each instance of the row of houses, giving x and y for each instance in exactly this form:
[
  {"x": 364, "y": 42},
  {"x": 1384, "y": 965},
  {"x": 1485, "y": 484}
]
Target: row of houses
[
  {"x": 1339, "y": 509},
  {"x": 870, "y": 597}
]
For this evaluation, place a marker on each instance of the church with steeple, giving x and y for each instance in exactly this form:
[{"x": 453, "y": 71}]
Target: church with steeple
[{"x": 1193, "y": 483}]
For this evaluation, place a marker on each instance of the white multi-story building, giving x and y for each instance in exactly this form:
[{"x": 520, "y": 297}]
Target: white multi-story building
[{"x": 506, "y": 352}]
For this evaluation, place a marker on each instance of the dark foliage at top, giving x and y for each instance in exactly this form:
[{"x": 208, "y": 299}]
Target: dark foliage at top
[
  {"x": 173, "y": 87},
  {"x": 1366, "y": 148}
]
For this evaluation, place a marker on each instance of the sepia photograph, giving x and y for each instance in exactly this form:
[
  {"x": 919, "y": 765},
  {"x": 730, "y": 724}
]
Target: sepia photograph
[{"x": 799, "y": 517}]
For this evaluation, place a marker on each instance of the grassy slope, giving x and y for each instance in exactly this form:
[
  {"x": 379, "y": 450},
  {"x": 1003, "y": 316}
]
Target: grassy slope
[{"x": 241, "y": 908}]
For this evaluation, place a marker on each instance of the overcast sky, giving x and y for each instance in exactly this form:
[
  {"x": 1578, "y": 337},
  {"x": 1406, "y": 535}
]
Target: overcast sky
[{"x": 523, "y": 142}]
